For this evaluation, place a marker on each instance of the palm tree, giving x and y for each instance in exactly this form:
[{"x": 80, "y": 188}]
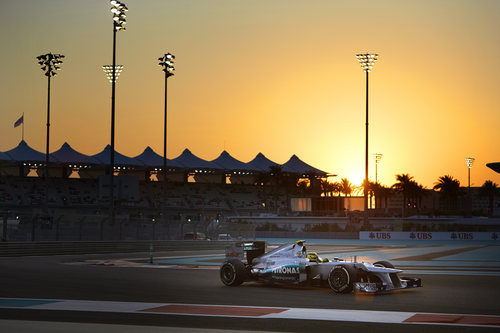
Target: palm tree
[
  {"x": 490, "y": 190},
  {"x": 303, "y": 186},
  {"x": 369, "y": 188},
  {"x": 375, "y": 189},
  {"x": 337, "y": 188},
  {"x": 346, "y": 187},
  {"x": 403, "y": 186},
  {"x": 416, "y": 192},
  {"x": 327, "y": 188},
  {"x": 359, "y": 190},
  {"x": 449, "y": 188}
]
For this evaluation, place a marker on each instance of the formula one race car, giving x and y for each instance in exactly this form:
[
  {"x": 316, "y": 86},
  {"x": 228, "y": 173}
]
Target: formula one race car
[{"x": 292, "y": 264}]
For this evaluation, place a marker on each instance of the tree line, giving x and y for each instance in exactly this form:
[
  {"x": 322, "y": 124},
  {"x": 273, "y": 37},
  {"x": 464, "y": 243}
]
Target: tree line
[
  {"x": 277, "y": 184},
  {"x": 411, "y": 191}
]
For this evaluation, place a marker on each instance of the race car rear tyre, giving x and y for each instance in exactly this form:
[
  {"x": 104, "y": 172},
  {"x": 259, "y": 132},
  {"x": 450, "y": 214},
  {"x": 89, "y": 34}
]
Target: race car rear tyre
[
  {"x": 383, "y": 263},
  {"x": 341, "y": 278},
  {"x": 233, "y": 272}
]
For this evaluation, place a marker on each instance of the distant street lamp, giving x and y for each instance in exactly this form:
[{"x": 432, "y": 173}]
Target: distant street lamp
[
  {"x": 49, "y": 64},
  {"x": 469, "y": 161},
  {"x": 366, "y": 60},
  {"x": 118, "y": 9},
  {"x": 167, "y": 64},
  {"x": 378, "y": 158}
]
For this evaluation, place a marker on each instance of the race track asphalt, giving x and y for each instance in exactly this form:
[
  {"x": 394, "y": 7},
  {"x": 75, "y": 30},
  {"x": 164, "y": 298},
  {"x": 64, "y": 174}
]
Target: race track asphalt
[{"x": 52, "y": 278}]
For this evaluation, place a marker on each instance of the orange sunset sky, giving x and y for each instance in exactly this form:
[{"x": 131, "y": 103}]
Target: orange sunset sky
[{"x": 277, "y": 77}]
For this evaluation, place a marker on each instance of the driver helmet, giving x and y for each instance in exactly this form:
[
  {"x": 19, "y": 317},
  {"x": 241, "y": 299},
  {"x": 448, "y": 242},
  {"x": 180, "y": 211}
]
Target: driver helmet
[
  {"x": 301, "y": 253},
  {"x": 313, "y": 256}
]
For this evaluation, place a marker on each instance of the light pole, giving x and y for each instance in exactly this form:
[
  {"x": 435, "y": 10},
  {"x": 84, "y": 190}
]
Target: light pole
[
  {"x": 167, "y": 64},
  {"x": 378, "y": 158},
  {"x": 49, "y": 64},
  {"x": 366, "y": 60},
  {"x": 469, "y": 161},
  {"x": 118, "y": 9}
]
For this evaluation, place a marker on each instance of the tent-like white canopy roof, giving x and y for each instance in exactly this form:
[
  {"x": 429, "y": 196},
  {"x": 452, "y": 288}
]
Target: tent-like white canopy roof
[
  {"x": 66, "y": 154},
  {"x": 105, "y": 154},
  {"x": 262, "y": 163},
  {"x": 152, "y": 159},
  {"x": 149, "y": 158},
  {"x": 296, "y": 165},
  {"x": 227, "y": 162},
  {"x": 24, "y": 153},
  {"x": 190, "y": 161}
]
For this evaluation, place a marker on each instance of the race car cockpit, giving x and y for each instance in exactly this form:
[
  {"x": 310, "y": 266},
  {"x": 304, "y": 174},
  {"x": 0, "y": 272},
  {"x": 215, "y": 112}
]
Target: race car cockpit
[{"x": 299, "y": 249}]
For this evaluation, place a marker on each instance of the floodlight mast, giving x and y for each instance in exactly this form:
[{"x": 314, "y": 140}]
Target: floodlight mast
[
  {"x": 108, "y": 70},
  {"x": 367, "y": 61},
  {"x": 50, "y": 63},
  {"x": 167, "y": 64},
  {"x": 118, "y": 9},
  {"x": 470, "y": 162}
]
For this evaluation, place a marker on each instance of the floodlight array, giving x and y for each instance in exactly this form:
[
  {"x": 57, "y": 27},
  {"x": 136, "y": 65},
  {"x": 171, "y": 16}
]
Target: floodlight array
[
  {"x": 367, "y": 60},
  {"x": 50, "y": 63},
  {"x": 108, "y": 69},
  {"x": 167, "y": 62},
  {"x": 118, "y": 9},
  {"x": 469, "y": 161}
]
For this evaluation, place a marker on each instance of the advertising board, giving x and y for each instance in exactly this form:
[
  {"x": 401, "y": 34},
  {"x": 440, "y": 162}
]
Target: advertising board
[{"x": 428, "y": 235}]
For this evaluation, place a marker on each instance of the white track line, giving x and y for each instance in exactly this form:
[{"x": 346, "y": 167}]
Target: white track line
[{"x": 387, "y": 317}]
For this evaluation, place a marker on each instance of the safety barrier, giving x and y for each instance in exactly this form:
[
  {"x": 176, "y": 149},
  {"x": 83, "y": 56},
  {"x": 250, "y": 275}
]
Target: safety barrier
[{"x": 16, "y": 249}]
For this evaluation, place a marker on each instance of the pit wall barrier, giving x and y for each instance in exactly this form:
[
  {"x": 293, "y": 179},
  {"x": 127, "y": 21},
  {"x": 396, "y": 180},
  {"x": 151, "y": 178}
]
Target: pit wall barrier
[{"x": 427, "y": 236}]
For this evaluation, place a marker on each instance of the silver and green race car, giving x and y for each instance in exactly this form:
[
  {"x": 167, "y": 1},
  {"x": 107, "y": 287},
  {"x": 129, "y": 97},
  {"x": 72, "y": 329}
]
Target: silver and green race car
[{"x": 293, "y": 264}]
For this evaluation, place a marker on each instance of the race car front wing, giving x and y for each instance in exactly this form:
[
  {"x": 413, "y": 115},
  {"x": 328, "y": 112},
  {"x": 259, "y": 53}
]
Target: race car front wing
[{"x": 373, "y": 287}]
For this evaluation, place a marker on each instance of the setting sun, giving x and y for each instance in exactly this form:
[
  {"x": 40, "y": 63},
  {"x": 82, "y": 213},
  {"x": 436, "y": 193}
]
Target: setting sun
[{"x": 355, "y": 178}]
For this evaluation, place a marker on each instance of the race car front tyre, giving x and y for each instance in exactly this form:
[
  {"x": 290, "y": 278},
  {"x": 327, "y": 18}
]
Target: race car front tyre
[
  {"x": 341, "y": 278},
  {"x": 233, "y": 272},
  {"x": 383, "y": 263}
]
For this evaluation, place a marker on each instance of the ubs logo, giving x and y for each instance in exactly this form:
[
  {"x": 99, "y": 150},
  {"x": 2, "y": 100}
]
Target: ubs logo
[
  {"x": 380, "y": 235},
  {"x": 462, "y": 235},
  {"x": 421, "y": 235}
]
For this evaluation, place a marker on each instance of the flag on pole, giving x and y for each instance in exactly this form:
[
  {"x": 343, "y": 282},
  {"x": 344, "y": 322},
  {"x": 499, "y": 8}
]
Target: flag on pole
[{"x": 19, "y": 121}]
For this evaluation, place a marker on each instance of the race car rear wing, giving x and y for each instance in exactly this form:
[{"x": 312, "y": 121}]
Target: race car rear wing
[{"x": 246, "y": 250}]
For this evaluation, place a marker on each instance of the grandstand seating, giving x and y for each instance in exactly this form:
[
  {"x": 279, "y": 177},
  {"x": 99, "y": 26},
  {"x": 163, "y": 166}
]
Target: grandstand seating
[{"x": 79, "y": 193}]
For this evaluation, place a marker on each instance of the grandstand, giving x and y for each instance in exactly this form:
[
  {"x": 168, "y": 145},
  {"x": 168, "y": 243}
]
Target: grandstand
[{"x": 199, "y": 192}]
